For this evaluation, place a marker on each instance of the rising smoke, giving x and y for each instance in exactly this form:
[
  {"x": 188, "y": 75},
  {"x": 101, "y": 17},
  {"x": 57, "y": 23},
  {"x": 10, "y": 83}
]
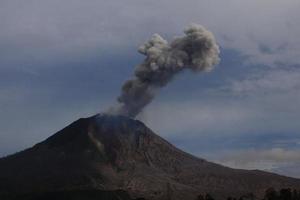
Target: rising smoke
[{"x": 197, "y": 50}]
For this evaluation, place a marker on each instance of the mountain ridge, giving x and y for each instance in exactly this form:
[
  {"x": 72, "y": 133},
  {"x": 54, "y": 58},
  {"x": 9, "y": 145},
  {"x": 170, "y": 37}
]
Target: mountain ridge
[{"x": 105, "y": 152}]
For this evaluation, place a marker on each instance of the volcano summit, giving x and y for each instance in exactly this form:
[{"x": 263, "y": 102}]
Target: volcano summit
[{"x": 122, "y": 155}]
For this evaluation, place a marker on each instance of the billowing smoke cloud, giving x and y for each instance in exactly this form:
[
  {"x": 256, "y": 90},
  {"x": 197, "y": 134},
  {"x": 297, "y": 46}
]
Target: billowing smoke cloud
[{"x": 197, "y": 50}]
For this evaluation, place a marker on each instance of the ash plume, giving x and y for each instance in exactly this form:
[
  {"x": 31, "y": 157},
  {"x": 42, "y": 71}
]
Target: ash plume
[{"x": 197, "y": 50}]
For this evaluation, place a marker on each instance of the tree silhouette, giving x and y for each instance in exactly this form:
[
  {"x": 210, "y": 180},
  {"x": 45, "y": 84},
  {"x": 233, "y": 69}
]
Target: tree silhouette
[
  {"x": 208, "y": 197},
  {"x": 296, "y": 195},
  {"x": 200, "y": 197},
  {"x": 271, "y": 194},
  {"x": 285, "y": 194}
]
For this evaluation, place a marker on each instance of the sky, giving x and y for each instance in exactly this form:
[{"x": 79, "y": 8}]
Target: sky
[{"x": 65, "y": 59}]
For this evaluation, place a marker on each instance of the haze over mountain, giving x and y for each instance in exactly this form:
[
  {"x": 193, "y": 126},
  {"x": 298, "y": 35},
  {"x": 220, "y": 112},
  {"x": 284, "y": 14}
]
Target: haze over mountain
[{"x": 116, "y": 153}]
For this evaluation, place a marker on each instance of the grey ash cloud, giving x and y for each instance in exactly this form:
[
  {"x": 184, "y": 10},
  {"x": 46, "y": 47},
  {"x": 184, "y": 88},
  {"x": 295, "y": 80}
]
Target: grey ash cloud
[{"x": 197, "y": 50}]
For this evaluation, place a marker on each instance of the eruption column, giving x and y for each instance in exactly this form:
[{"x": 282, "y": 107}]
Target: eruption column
[{"x": 197, "y": 50}]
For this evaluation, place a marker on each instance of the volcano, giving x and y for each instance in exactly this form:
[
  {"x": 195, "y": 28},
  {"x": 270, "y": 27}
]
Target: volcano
[{"x": 121, "y": 158}]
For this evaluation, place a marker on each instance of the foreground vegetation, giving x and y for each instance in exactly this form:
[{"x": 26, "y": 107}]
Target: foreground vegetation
[{"x": 270, "y": 194}]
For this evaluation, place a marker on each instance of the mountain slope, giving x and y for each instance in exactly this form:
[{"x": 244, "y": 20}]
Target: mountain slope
[{"x": 117, "y": 153}]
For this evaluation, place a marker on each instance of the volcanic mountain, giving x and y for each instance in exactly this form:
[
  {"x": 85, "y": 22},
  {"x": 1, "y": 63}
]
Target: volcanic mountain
[{"x": 122, "y": 157}]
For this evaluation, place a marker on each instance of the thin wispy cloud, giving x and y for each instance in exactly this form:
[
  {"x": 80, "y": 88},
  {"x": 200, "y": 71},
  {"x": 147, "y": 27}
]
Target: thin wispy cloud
[{"x": 274, "y": 159}]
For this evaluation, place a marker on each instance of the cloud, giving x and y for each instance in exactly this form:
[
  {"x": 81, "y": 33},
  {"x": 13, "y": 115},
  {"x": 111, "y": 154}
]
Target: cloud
[
  {"x": 34, "y": 31},
  {"x": 223, "y": 117},
  {"x": 249, "y": 122},
  {"x": 274, "y": 159},
  {"x": 198, "y": 117},
  {"x": 263, "y": 102},
  {"x": 273, "y": 81}
]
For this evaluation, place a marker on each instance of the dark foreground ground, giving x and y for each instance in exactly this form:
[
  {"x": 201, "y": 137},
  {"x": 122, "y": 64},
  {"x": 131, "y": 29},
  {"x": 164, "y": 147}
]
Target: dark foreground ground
[
  {"x": 270, "y": 194},
  {"x": 72, "y": 195}
]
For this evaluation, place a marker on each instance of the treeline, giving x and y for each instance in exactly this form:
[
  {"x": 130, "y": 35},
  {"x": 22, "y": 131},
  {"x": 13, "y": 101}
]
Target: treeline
[
  {"x": 270, "y": 194},
  {"x": 72, "y": 195},
  {"x": 283, "y": 194}
]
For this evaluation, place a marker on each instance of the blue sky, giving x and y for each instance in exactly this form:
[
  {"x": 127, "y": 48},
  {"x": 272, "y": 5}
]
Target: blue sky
[{"x": 62, "y": 60}]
